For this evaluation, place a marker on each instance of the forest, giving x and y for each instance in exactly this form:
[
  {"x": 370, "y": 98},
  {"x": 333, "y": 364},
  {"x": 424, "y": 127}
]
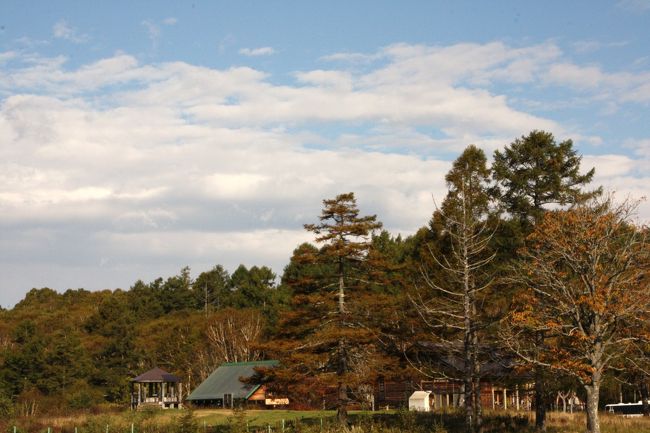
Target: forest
[{"x": 525, "y": 263}]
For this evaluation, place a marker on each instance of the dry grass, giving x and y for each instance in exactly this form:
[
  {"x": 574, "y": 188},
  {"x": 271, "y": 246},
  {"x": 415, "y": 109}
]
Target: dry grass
[
  {"x": 559, "y": 422},
  {"x": 163, "y": 421}
]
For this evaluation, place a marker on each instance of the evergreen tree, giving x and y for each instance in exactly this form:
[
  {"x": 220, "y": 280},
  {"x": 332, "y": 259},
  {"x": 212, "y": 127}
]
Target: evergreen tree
[
  {"x": 24, "y": 363},
  {"x": 253, "y": 287},
  {"x": 176, "y": 292},
  {"x": 116, "y": 359},
  {"x": 213, "y": 289},
  {"x": 303, "y": 274},
  {"x": 532, "y": 173},
  {"x": 323, "y": 342}
]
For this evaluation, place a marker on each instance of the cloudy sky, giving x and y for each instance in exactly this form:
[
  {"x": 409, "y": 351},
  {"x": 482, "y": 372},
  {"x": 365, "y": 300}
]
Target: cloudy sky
[{"x": 140, "y": 137}]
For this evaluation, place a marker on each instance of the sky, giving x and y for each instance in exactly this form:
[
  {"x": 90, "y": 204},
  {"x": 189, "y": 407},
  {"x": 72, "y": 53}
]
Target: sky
[{"x": 140, "y": 137}]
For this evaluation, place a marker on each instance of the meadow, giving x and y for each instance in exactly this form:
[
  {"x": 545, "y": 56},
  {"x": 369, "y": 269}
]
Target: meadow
[{"x": 259, "y": 421}]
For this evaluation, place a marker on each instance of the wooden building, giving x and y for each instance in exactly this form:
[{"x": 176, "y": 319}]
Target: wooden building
[
  {"x": 445, "y": 393},
  {"x": 156, "y": 388},
  {"x": 224, "y": 387}
]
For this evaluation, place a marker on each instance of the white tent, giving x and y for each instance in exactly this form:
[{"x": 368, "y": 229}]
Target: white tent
[{"x": 419, "y": 401}]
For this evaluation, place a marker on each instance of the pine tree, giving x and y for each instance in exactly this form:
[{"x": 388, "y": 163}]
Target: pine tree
[
  {"x": 323, "y": 337},
  {"x": 532, "y": 173}
]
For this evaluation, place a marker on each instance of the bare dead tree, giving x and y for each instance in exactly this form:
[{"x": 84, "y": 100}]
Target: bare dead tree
[
  {"x": 233, "y": 334},
  {"x": 450, "y": 305}
]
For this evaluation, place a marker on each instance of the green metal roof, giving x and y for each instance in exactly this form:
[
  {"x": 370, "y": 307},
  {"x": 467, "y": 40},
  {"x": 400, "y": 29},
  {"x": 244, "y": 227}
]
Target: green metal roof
[{"x": 225, "y": 380}]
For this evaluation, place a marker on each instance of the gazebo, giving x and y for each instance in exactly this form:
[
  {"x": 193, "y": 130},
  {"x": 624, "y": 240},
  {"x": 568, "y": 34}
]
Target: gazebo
[{"x": 156, "y": 387}]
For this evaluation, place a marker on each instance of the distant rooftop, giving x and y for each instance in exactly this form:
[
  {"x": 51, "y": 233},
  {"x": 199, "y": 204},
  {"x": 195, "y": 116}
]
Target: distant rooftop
[
  {"x": 225, "y": 380},
  {"x": 156, "y": 375}
]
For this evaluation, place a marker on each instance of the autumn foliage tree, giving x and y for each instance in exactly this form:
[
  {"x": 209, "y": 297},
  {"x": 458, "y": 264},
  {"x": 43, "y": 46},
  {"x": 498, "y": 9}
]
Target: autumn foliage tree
[
  {"x": 323, "y": 341},
  {"x": 585, "y": 274},
  {"x": 532, "y": 174}
]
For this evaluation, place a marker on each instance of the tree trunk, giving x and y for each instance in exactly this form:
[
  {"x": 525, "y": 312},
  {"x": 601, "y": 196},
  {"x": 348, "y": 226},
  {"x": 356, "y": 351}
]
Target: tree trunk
[
  {"x": 593, "y": 394},
  {"x": 342, "y": 399},
  {"x": 476, "y": 376},
  {"x": 469, "y": 403},
  {"x": 342, "y": 407},
  {"x": 478, "y": 408},
  {"x": 468, "y": 356},
  {"x": 540, "y": 401},
  {"x": 540, "y": 389},
  {"x": 644, "y": 398}
]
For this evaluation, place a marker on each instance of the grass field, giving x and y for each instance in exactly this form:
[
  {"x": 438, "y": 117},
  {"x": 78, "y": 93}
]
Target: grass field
[
  {"x": 262, "y": 417},
  {"x": 226, "y": 421}
]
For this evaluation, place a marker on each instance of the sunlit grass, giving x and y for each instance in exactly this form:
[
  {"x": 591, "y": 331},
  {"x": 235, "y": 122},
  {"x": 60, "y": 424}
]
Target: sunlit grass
[{"x": 164, "y": 421}]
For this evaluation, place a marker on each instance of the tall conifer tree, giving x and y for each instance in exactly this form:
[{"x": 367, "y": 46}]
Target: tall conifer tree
[
  {"x": 532, "y": 173},
  {"x": 457, "y": 279},
  {"x": 324, "y": 341}
]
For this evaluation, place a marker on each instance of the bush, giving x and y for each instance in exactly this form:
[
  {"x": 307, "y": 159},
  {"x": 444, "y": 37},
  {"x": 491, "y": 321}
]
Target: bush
[
  {"x": 82, "y": 396},
  {"x": 6, "y": 407},
  {"x": 186, "y": 423},
  {"x": 237, "y": 422}
]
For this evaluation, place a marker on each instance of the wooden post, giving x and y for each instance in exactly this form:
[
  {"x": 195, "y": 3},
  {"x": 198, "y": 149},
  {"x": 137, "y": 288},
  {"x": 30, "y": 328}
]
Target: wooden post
[
  {"x": 517, "y": 396},
  {"x": 493, "y": 402},
  {"x": 505, "y": 399},
  {"x": 620, "y": 393}
]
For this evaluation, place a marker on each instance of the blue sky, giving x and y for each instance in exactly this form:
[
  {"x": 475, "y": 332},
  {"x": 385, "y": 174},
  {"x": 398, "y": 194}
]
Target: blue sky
[{"x": 139, "y": 137}]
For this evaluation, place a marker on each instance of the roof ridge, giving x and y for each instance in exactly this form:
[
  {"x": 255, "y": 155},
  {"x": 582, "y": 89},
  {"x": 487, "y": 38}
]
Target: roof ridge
[{"x": 265, "y": 362}]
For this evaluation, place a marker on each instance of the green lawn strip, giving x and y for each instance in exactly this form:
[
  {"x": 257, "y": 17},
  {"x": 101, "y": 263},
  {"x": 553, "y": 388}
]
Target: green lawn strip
[{"x": 273, "y": 417}]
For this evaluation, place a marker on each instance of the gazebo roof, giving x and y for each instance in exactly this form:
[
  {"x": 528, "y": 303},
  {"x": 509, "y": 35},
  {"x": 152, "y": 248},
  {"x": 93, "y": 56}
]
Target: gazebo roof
[{"x": 156, "y": 375}]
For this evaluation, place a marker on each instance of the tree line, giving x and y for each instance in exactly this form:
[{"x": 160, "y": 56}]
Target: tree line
[{"x": 523, "y": 263}]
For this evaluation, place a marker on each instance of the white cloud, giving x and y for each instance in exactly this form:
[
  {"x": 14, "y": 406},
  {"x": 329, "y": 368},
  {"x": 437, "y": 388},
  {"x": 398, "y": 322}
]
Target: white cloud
[
  {"x": 611, "y": 87},
  {"x": 139, "y": 168},
  {"x": 153, "y": 32},
  {"x": 62, "y": 30},
  {"x": 609, "y": 166},
  {"x": 589, "y": 46},
  {"x": 225, "y": 43},
  {"x": 576, "y": 76},
  {"x": 256, "y": 52},
  {"x": 238, "y": 186},
  {"x": 352, "y": 57},
  {"x": 634, "y": 5},
  {"x": 333, "y": 79},
  {"x": 6, "y": 56}
]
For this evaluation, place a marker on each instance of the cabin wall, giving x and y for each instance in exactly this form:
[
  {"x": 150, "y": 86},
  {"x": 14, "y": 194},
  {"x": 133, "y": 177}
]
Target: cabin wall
[{"x": 258, "y": 395}]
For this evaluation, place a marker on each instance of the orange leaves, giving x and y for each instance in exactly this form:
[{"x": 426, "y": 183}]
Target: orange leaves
[{"x": 579, "y": 262}]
